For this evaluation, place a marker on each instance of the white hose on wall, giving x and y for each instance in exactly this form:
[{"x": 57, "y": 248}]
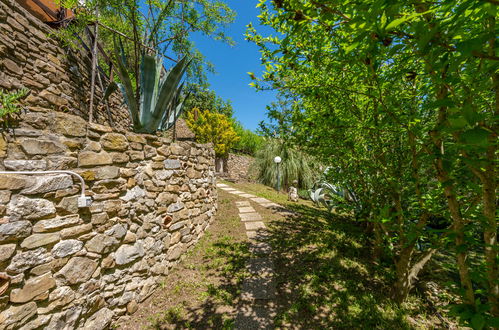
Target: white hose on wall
[{"x": 83, "y": 201}]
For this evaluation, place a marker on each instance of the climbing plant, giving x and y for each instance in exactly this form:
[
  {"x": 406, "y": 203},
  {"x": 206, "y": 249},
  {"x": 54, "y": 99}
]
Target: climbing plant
[
  {"x": 401, "y": 98},
  {"x": 10, "y": 104}
]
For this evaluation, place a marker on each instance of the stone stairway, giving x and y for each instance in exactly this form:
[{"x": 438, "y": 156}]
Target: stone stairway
[{"x": 257, "y": 307}]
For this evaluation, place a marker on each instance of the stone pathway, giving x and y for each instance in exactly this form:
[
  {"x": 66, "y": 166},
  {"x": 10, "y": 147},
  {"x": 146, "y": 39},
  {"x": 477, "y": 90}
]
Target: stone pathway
[{"x": 257, "y": 308}]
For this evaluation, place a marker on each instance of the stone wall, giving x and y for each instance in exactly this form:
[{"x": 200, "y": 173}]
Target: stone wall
[
  {"x": 67, "y": 267},
  {"x": 58, "y": 77},
  {"x": 238, "y": 167}
]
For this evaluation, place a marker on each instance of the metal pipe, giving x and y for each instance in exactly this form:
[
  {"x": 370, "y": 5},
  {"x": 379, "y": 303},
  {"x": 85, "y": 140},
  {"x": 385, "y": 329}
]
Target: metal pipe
[{"x": 50, "y": 172}]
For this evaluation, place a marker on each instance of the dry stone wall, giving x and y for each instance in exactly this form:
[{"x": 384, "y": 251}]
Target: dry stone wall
[
  {"x": 64, "y": 267},
  {"x": 58, "y": 76},
  {"x": 239, "y": 167}
]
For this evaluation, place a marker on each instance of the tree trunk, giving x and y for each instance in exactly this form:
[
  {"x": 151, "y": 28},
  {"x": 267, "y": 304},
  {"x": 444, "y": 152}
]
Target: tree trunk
[
  {"x": 407, "y": 274},
  {"x": 490, "y": 197},
  {"x": 458, "y": 224}
]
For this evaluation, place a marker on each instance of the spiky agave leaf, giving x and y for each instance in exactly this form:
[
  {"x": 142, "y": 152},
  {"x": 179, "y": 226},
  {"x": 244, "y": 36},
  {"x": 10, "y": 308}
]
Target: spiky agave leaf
[
  {"x": 150, "y": 75},
  {"x": 174, "y": 110},
  {"x": 167, "y": 89},
  {"x": 126, "y": 84}
]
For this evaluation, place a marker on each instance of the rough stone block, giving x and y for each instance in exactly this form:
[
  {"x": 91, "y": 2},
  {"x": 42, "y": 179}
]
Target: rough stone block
[
  {"x": 114, "y": 141},
  {"x": 100, "y": 320},
  {"x": 7, "y": 251},
  {"x": 21, "y": 207},
  {"x": 14, "y": 230},
  {"x": 175, "y": 207},
  {"x": 101, "y": 243},
  {"x": 77, "y": 270},
  {"x": 25, "y": 260},
  {"x": 66, "y": 248},
  {"x": 32, "y": 288},
  {"x": 89, "y": 158},
  {"x": 37, "y": 240},
  {"x": 128, "y": 253},
  {"x": 25, "y": 165},
  {"x": 42, "y": 147},
  {"x": 14, "y": 181},
  {"x": 172, "y": 164},
  {"x": 19, "y": 313},
  {"x": 56, "y": 223},
  {"x": 47, "y": 183},
  {"x": 136, "y": 138},
  {"x": 68, "y": 124},
  {"x": 133, "y": 194},
  {"x": 193, "y": 174},
  {"x": 136, "y": 155},
  {"x": 99, "y": 128},
  {"x": 68, "y": 205},
  {"x": 76, "y": 231}
]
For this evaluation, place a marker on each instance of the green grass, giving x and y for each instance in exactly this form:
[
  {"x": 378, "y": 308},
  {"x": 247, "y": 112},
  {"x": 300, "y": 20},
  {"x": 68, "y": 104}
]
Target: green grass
[
  {"x": 326, "y": 277},
  {"x": 208, "y": 282}
]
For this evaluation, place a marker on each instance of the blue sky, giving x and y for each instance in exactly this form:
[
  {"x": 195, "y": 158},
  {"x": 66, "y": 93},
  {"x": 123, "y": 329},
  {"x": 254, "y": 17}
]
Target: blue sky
[{"x": 232, "y": 64}]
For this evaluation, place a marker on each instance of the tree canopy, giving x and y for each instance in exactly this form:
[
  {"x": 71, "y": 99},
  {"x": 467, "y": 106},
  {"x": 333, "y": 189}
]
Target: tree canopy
[{"x": 401, "y": 99}]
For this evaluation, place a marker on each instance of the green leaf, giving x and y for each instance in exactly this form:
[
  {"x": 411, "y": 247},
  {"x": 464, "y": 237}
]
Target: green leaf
[
  {"x": 393, "y": 24},
  {"x": 126, "y": 84},
  {"x": 458, "y": 123},
  {"x": 493, "y": 322},
  {"x": 477, "y": 322},
  {"x": 476, "y": 136},
  {"x": 150, "y": 72},
  {"x": 167, "y": 89}
]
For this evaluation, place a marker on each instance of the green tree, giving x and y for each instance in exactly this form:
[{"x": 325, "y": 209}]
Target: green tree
[
  {"x": 401, "y": 97},
  {"x": 249, "y": 142},
  {"x": 168, "y": 25},
  {"x": 203, "y": 98}
]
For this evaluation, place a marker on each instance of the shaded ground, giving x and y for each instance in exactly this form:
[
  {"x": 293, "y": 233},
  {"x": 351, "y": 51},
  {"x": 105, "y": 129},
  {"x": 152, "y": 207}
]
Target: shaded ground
[
  {"x": 327, "y": 280},
  {"x": 325, "y": 277},
  {"x": 203, "y": 290}
]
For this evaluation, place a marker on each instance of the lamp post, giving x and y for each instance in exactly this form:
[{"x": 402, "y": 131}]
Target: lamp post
[{"x": 278, "y": 160}]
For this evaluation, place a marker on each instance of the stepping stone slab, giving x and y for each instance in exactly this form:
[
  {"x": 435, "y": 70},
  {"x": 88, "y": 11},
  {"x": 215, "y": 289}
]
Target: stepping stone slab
[
  {"x": 248, "y": 195},
  {"x": 259, "y": 288},
  {"x": 246, "y": 209},
  {"x": 257, "y": 235},
  {"x": 228, "y": 189},
  {"x": 243, "y": 203},
  {"x": 260, "y": 200},
  {"x": 271, "y": 205},
  {"x": 252, "y": 317},
  {"x": 250, "y": 217},
  {"x": 263, "y": 267},
  {"x": 220, "y": 185},
  {"x": 260, "y": 248},
  {"x": 236, "y": 192},
  {"x": 251, "y": 226}
]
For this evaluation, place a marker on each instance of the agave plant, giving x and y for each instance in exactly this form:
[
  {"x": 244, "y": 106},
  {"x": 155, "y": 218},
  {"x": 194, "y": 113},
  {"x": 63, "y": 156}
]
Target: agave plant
[
  {"x": 157, "y": 104},
  {"x": 331, "y": 196}
]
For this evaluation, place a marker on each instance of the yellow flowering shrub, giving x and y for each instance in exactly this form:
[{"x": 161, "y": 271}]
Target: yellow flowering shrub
[{"x": 212, "y": 127}]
